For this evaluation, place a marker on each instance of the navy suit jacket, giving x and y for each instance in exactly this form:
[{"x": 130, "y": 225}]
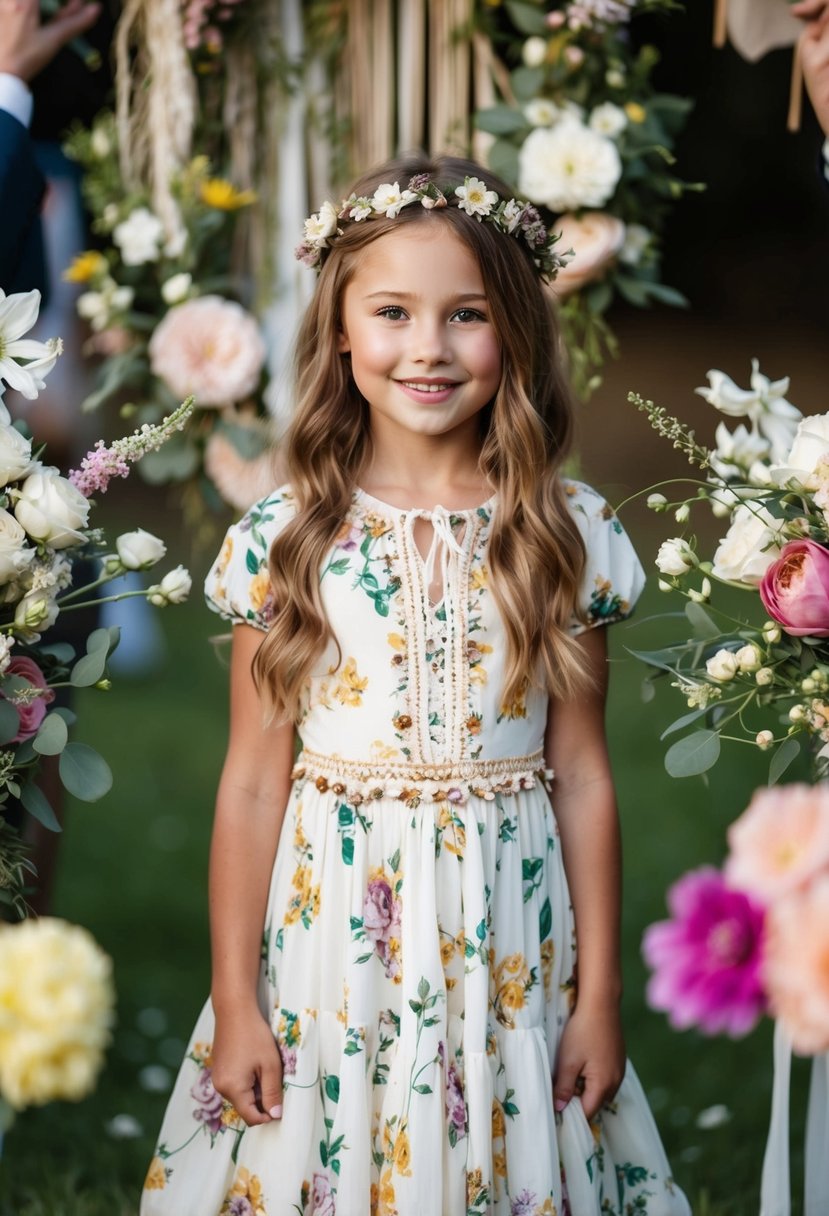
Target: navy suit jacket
[{"x": 22, "y": 186}]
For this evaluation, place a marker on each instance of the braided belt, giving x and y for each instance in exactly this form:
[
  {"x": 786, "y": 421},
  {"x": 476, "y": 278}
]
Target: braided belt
[{"x": 359, "y": 781}]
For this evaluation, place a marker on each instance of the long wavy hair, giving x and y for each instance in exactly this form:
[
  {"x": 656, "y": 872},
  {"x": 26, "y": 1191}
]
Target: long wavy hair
[{"x": 536, "y": 554}]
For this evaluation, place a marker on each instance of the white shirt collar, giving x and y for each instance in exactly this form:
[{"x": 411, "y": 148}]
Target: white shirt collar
[{"x": 15, "y": 98}]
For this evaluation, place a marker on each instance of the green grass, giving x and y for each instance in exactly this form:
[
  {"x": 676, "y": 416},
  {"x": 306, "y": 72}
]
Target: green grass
[{"x": 133, "y": 871}]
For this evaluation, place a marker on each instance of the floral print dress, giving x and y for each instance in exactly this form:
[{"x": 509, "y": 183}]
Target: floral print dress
[{"x": 418, "y": 953}]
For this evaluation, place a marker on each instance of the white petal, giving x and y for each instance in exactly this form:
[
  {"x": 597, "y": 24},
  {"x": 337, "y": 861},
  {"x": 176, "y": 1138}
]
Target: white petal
[{"x": 18, "y": 314}]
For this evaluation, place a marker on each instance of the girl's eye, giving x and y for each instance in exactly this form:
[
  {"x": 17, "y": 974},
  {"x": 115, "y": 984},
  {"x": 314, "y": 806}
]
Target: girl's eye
[
  {"x": 465, "y": 315},
  {"x": 392, "y": 312}
]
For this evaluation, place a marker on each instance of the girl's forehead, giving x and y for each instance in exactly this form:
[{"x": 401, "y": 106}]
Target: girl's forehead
[{"x": 423, "y": 251}]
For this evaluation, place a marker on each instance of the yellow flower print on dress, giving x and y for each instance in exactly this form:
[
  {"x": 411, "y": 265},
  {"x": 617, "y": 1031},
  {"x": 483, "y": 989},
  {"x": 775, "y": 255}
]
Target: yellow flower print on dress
[
  {"x": 259, "y": 590},
  {"x": 517, "y": 708},
  {"x": 245, "y": 1186},
  {"x": 351, "y": 687},
  {"x": 156, "y": 1179},
  {"x": 376, "y": 525},
  {"x": 304, "y": 903},
  {"x": 548, "y": 953},
  {"x": 513, "y": 979},
  {"x": 387, "y": 1203},
  {"x": 477, "y": 1193},
  {"x": 479, "y": 578},
  {"x": 402, "y": 1153},
  {"x": 396, "y": 641}
]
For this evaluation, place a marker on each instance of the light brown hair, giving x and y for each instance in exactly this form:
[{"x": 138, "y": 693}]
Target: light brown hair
[{"x": 536, "y": 554}]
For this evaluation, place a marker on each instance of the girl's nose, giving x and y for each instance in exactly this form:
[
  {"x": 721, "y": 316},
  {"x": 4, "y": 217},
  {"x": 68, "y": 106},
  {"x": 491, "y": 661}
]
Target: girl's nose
[{"x": 430, "y": 344}]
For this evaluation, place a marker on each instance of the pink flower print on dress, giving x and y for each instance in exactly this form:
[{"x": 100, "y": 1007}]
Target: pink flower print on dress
[
  {"x": 209, "y": 1104},
  {"x": 348, "y": 537},
  {"x": 322, "y": 1200},
  {"x": 241, "y": 1206},
  {"x": 381, "y": 921},
  {"x": 455, "y": 1104}
]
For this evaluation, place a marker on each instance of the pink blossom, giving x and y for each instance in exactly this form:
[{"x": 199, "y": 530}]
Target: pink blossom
[
  {"x": 780, "y": 841},
  {"x": 795, "y": 589},
  {"x": 795, "y": 966},
  {"x": 97, "y": 469},
  {"x": 706, "y": 960},
  {"x": 29, "y": 703},
  {"x": 209, "y": 347}
]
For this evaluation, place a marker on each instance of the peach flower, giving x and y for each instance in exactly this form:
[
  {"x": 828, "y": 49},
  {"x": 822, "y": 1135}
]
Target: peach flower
[
  {"x": 596, "y": 238},
  {"x": 796, "y": 967},
  {"x": 209, "y": 347},
  {"x": 241, "y": 481},
  {"x": 780, "y": 841}
]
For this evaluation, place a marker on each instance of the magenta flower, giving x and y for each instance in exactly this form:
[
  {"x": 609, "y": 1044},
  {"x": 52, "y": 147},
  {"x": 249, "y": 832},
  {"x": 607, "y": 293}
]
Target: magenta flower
[
  {"x": 795, "y": 589},
  {"x": 706, "y": 960}
]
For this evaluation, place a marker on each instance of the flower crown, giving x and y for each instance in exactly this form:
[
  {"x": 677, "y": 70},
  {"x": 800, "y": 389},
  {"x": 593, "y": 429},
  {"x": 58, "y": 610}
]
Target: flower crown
[{"x": 512, "y": 217}]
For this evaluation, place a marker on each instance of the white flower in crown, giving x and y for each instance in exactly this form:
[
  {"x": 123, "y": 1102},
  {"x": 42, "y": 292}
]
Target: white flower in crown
[
  {"x": 319, "y": 227},
  {"x": 361, "y": 208},
  {"x": 474, "y": 197},
  {"x": 389, "y": 199},
  {"x": 511, "y": 215}
]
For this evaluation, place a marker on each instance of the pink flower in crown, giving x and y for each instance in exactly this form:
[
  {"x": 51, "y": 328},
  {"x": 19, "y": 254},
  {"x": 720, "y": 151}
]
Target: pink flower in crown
[
  {"x": 795, "y": 589},
  {"x": 32, "y": 703},
  {"x": 780, "y": 841},
  {"x": 321, "y": 1199},
  {"x": 706, "y": 960},
  {"x": 209, "y": 1103},
  {"x": 795, "y": 966}
]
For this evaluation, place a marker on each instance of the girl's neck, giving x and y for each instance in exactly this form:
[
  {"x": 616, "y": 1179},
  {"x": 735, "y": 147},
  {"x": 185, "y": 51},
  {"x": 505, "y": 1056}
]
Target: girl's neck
[{"x": 425, "y": 475}]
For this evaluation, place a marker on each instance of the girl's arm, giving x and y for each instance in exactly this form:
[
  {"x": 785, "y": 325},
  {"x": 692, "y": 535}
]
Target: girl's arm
[
  {"x": 250, "y": 806},
  {"x": 592, "y": 1049}
]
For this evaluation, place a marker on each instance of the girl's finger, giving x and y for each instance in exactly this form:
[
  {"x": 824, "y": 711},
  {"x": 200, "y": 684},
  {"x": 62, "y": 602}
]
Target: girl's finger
[{"x": 565, "y": 1083}]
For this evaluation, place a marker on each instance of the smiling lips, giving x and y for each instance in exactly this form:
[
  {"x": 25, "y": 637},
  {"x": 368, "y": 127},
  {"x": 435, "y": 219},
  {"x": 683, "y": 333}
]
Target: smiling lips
[{"x": 428, "y": 386}]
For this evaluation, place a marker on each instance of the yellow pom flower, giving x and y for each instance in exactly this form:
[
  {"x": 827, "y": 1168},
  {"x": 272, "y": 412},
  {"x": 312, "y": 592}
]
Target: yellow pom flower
[
  {"x": 222, "y": 195},
  {"x": 635, "y": 112},
  {"x": 85, "y": 266},
  {"x": 56, "y": 1009}
]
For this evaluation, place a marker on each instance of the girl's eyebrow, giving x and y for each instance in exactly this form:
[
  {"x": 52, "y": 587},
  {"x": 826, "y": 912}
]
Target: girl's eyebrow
[{"x": 407, "y": 295}]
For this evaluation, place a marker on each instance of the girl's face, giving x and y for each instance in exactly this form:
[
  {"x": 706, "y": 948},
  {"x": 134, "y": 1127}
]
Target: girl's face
[{"x": 415, "y": 321}]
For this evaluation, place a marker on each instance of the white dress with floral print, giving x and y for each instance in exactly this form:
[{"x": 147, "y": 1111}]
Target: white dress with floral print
[{"x": 418, "y": 952}]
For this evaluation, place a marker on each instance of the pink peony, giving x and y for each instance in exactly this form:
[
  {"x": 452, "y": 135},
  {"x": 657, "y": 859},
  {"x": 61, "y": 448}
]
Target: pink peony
[
  {"x": 796, "y": 967},
  {"x": 795, "y": 589},
  {"x": 31, "y": 705},
  {"x": 706, "y": 960},
  {"x": 780, "y": 841},
  {"x": 596, "y": 239},
  {"x": 209, "y": 347}
]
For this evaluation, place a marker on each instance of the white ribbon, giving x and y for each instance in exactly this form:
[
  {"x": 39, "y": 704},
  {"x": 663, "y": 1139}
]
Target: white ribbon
[
  {"x": 817, "y": 1140},
  {"x": 775, "y": 1189},
  {"x": 443, "y": 538}
]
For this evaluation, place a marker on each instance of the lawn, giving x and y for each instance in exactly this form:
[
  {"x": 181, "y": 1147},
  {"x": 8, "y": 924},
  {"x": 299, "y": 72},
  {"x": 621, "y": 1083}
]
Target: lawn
[{"x": 133, "y": 871}]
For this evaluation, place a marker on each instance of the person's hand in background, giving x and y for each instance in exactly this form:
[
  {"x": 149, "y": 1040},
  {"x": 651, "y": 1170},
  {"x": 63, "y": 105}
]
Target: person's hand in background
[
  {"x": 26, "y": 45},
  {"x": 814, "y": 55}
]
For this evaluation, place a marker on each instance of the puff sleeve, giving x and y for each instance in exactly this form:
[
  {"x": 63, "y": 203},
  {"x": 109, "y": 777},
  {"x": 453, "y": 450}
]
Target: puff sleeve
[
  {"x": 613, "y": 576},
  {"x": 238, "y": 585}
]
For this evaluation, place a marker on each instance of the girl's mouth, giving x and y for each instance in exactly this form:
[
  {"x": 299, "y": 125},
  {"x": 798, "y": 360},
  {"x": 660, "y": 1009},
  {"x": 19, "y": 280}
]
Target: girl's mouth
[{"x": 428, "y": 391}]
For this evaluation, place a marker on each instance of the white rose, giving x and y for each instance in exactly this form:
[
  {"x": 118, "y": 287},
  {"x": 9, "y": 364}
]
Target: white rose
[
  {"x": 608, "y": 119},
  {"x": 174, "y": 588},
  {"x": 749, "y": 547},
  {"x": 675, "y": 557},
  {"x": 139, "y": 550},
  {"x": 14, "y": 556},
  {"x": 534, "y": 52},
  {"x": 568, "y": 166},
  {"x": 139, "y": 237},
  {"x": 176, "y": 288},
  {"x": 811, "y": 444},
  {"x": 35, "y": 613},
  {"x": 50, "y": 509},
  {"x": 749, "y": 657},
  {"x": 722, "y": 666},
  {"x": 15, "y": 454},
  {"x": 541, "y": 112}
]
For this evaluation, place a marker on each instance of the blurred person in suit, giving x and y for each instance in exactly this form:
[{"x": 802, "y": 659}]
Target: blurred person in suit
[{"x": 814, "y": 58}]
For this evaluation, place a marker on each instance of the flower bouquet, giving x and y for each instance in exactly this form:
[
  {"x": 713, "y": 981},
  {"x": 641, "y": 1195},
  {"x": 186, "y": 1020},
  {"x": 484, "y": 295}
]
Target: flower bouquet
[
  {"x": 759, "y": 677},
  {"x": 44, "y": 530},
  {"x": 753, "y": 938},
  {"x": 160, "y": 308},
  {"x": 581, "y": 130}
]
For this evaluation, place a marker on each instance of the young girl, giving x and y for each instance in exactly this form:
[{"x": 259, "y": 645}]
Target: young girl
[{"x": 397, "y": 1024}]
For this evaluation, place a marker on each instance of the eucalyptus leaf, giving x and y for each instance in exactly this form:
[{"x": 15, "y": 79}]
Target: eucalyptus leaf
[
  {"x": 694, "y": 754},
  {"x": 52, "y": 736},
  {"x": 68, "y": 715},
  {"x": 177, "y": 460},
  {"x": 648, "y": 691},
  {"x": 501, "y": 120},
  {"x": 89, "y": 669},
  {"x": 701, "y": 623},
  {"x": 682, "y": 722},
  {"x": 527, "y": 18},
  {"x": 62, "y": 652},
  {"x": 84, "y": 773},
  {"x": 9, "y": 721},
  {"x": 786, "y": 754},
  {"x": 503, "y": 160},
  {"x": 99, "y": 639},
  {"x": 36, "y": 803},
  {"x": 527, "y": 83}
]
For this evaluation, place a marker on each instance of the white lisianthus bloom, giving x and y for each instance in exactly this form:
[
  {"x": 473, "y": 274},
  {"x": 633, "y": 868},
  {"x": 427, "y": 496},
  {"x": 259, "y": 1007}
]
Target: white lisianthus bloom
[
  {"x": 35, "y": 613},
  {"x": 541, "y": 113},
  {"x": 675, "y": 557},
  {"x": 568, "y": 166},
  {"x": 637, "y": 239},
  {"x": 15, "y": 556},
  {"x": 764, "y": 403},
  {"x": 50, "y": 508},
  {"x": 6, "y": 644},
  {"x": 322, "y": 225},
  {"x": 608, "y": 119},
  {"x": 749, "y": 547},
  {"x": 388, "y": 199},
  {"x": 15, "y": 454},
  {"x": 174, "y": 588},
  {"x": 534, "y": 52},
  {"x": 749, "y": 657},
  {"x": 139, "y": 237},
  {"x": 737, "y": 451},
  {"x": 474, "y": 197},
  {"x": 176, "y": 288},
  {"x": 722, "y": 666},
  {"x": 809, "y": 447},
  {"x": 139, "y": 550},
  {"x": 18, "y": 314}
]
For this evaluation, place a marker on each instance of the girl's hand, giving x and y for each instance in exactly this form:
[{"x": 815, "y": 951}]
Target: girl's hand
[
  {"x": 591, "y": 1060},
  {"x": 247, "y": 1067}
]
